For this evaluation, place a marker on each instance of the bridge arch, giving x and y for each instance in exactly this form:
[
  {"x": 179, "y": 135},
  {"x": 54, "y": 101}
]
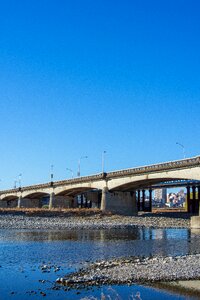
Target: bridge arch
[
  {"x": 8, "y": 201},
  {"x": 145, "y": 183},
  {"x": 154, "y": 177},
  {"x": 82, "y": 196},
  {"x": 35, "y": 194},
  {"x": 34, "y": 199},
  {"x": 73, "y": 191}
]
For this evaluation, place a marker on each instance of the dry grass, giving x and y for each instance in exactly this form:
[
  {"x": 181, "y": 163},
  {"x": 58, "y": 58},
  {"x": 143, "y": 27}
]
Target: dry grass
[{"x": 55, "y": 211}]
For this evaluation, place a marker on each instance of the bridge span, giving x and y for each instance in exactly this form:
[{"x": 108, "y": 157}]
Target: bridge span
[{"x": 120, "y": 191}]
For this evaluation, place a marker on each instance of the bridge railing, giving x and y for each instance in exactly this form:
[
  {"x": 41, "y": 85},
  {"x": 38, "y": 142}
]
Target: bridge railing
[
  {"x": 183, "y": 163},
  {"x": 178, "y": 164}
]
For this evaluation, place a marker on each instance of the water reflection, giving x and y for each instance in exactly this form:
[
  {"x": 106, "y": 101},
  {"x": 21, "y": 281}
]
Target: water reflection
[
  {"x": 99, "y": 244},
  {"x": 144, "y": 234},
  {"x": 23, "y": 252}
]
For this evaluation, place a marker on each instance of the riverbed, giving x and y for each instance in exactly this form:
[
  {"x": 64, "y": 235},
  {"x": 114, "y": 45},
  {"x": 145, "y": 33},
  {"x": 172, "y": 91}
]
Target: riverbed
[{"x": 32, "y": 259}]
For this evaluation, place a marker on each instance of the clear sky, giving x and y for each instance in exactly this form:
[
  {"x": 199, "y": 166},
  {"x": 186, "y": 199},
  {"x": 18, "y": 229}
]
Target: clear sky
[{"x": 79, "y": 77}]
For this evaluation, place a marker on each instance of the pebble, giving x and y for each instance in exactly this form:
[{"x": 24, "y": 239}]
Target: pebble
[
  {"x": 97, "y": 221},
  {"x": 124, "y": 271},
  {"x": 120, "y": 270}
]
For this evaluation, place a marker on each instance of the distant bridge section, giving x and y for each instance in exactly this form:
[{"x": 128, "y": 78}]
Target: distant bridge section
[{"x": 117, "y": 191}]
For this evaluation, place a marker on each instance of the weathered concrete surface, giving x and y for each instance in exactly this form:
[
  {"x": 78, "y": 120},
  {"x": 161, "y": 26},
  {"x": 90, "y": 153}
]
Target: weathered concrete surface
[
  {"x": 123, "y": 203},
  {"x": 122, "y": 181},
  {"x": 195, "y": 222}
]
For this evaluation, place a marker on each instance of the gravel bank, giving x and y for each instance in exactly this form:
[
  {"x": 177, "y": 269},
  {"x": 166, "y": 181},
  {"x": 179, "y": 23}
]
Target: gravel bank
[
  {"x": 23, "y": 221},
  {"x": 135, "y": 270}
]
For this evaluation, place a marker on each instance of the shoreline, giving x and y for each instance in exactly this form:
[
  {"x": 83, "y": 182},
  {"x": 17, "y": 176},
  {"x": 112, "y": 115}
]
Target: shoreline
[
  {"x": 86, "y": 219},
  {"x": 135, "y": 271},
  {"x": 117, "y": 271}
]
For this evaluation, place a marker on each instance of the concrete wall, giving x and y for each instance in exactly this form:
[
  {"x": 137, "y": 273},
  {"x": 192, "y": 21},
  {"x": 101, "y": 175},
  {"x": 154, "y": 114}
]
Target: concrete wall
[
  {"x": 8, "y": 204},
  {"x": 30, "y": 203},
  {"x": 123, "y": 203},
  {"x": 63, "y": 202}
]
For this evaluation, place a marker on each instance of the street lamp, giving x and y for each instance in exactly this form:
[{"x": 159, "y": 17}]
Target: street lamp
[
  {"x": 71, "y": 172},
  {"x": 20, "y": 180},
  {"x": 52, "y": 173},
  {"x": 182, "y": 148},
  {"x": 79, "y": 165},
  {"x": 103, "y": 160},
  {"x": 15, "y": 184}
]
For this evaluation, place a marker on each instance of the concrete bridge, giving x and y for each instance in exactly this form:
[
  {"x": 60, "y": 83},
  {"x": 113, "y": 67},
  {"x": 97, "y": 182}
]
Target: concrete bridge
[{"x": 119, "y": 191}]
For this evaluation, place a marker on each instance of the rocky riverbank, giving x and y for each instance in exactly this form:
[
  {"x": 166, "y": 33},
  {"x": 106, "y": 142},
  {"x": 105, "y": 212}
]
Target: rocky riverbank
[
  {"x": 96, "y": 220},
  {"x": 135, "y": 270}
]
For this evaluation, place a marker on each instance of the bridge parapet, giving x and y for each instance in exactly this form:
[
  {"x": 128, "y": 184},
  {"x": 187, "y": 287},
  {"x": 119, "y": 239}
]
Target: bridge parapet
[
  {"x": 179, "y": 164},
  {"x": 155, "y": 168},
  {"x": 55, "y": 184}
]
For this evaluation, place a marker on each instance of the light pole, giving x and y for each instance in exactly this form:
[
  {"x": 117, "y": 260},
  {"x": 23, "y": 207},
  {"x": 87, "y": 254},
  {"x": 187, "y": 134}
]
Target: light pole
[
  {"x": 71, "y": 172},
  {"x": 20, "y": 180},
  {"x": 52, "y": 173},
  {"x": 182, "y": 148},
  {"x": 15, "y": 184},
  {"x": 103, "y": 160},
  {"x": 79, "y": 165}
]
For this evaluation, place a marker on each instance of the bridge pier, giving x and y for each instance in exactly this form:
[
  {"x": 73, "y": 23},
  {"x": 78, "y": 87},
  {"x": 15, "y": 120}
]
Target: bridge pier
[
  {"x": 193, "y": 204},
  {"x": 150, "y": 200},
  {"x": 143, "y": 200},
  {"x": 51, "y": 200},
  {"x": 123, "y": 203},
  {"x": 189, "y": 208},
  {"x": 142, "y": 203},
  {"x": 193, "y": 199},
  {"x": 19, "y": 201},
  {"x": 138, "y": 200},
  {"x": 195, "y": 220}
]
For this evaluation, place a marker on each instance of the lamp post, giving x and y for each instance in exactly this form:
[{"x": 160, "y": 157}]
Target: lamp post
[
  {"x": 15, "y": 184},
  {"x": 182, "y": 148},
  {"x": 79, "y": 165},
  {"x": 70, "y": 171},
  {"x": 20, "y": 180},
  {"x": 52, "y": 173},
  {"x": 103, "y": 160}
]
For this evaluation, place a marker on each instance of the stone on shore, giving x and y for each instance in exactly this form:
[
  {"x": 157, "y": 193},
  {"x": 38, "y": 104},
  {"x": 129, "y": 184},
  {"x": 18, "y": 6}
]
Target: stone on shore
[{"x": 132, "y": 270}]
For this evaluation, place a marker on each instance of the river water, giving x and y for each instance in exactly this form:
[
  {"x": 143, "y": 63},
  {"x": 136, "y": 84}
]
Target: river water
[{"x": 31, "y": 261}]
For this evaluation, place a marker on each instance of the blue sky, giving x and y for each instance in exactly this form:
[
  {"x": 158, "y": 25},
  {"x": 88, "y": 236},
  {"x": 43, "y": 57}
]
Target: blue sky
[{"x": 80, "y": 77}]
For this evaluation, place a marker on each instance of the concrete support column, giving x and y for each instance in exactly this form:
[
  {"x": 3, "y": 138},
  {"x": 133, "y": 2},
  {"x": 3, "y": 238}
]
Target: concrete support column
[
  {"x": 195, "y": 220},
  {"x": 104, "y": 198},
  {"x": 199, "y": 200},
  {"x": 188, "y": 199},
  {"x": 75, "y": 202},
  {"x": 138, "y": 203},
  {"x": 143, "y": 200},
  {"x": 51, "y": 200},
  {"x": 81, "y": 201},
  {"x": 193, "y": 199},
  {"x": 19, "y": 201},
  {"x": 150, "y": 200},
  {"x": 134, "y": 202},
  {"x": 123, "y": 203},
  {"x": 86, "y": 202},
  {"x": 99, "y": 200}
]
